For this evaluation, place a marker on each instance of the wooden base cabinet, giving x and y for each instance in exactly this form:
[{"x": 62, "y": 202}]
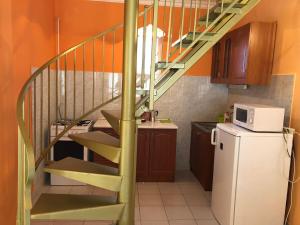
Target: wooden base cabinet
[
  {"x": 162, "y": 155},
  {"x": 156, "y": 154},
  {"x": 202, "y": 153}
]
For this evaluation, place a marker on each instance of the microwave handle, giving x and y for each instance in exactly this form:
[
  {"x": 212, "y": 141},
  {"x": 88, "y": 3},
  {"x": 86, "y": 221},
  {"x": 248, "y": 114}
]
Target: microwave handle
[{"x": 213, "y": 137}]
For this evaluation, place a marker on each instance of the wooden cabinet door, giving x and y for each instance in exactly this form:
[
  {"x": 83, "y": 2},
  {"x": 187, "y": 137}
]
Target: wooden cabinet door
[
  {"x": 239, "y": 55},
  {"x": 221, "y": 60},
  {"x": 143, "y": 151},
  {"x": 194, "y": 151},
  {"x": 163, "y": 155}
]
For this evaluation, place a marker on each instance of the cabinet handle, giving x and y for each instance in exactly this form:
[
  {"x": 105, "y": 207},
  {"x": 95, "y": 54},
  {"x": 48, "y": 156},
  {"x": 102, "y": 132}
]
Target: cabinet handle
[
  {"x": 244, "y": 61},
  {"x": 213, "y": 137}
]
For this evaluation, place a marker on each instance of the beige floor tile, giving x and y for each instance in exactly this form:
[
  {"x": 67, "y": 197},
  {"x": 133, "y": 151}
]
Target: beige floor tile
[
  {"x": 190, "y": 188},
  {"x": 198, "y": 199},
  {"x": 136, "y": 200},
  {"x": 150, "y": 200},
  {"x": 178, "y": 213},
  {"x": 137, "y": 215},
  {"x": 207, "y": 194},
  {"x": 185, "y": 176},
  {"x": 137, "y": 222},
  {"x": 148, "y": 188},
  {"x": 202, "y": 212},
  {"x": 154, "y": 223},
  {"x": 150, "y": 213},
  {"x": 207, "y": 222},
  {"x": 173, "y": 200},
  {"x": 168, "y": 188},
  {"x": 182, "y": 222}
]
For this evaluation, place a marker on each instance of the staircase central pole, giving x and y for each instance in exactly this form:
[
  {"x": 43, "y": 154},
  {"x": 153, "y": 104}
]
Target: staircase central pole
[{"x": 128, "y": 122}]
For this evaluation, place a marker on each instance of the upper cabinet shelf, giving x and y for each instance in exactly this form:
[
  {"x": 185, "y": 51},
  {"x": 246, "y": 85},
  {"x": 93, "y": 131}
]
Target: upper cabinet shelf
[{"x": 245, "y": 55}]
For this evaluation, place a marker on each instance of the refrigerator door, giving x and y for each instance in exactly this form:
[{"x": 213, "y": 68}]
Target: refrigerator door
[{"x": 225, "y": 173}]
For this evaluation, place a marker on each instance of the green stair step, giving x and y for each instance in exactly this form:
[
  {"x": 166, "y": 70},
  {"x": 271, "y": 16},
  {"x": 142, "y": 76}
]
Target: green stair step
[
  {"x": 113, "y": 117},
  {"x": 206, "y": 37},
  {"x": 187, "y": 39},
  {"x": 164, "y": 65},
  {"x": 215, "y": 12},
  {"x": 76, "y": 207},
  {"x": 101, "y": 143},
  {"x": 236, "y": 9},
  {"x": 86, "y": 172}
]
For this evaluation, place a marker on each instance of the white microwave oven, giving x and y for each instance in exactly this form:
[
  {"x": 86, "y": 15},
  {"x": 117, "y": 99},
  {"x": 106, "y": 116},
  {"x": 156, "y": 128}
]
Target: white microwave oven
[{"x": 259, "y": 118}]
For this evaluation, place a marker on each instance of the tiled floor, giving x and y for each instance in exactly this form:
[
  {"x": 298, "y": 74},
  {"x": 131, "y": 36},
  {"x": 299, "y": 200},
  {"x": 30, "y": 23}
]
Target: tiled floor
[{"x": 183, "y": 202}]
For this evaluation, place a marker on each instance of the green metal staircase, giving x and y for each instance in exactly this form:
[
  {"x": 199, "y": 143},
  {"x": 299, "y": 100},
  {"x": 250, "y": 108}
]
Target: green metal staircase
[{"x": 48, "y": 95}]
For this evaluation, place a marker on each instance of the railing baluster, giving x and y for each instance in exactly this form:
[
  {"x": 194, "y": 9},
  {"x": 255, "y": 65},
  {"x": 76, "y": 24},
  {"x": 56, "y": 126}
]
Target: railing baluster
[
  {"x": 113, "y": 65},
  {"x": 74, "y": 85},
  {"x": 190, "y": 14},
  {"x": 103, "y": 66},
  {"x": 182, "y": 24},
  {"x": 56, "y": 95},
  {"x": 94, "y": 75},
  {"x": 83, "y": 78},
  {"x": 172, "y": 26},
  {"x": 195, "y": 19},
  {"x": 66, "y": 99},
  {"x": 34, "y": 123},
  {"x": 41, "y": 110},
  {"x": 153, "y": 54},
  {"x": 199, "y": 16},
  {"x": 29, "y": 114},
  {"x": 49, "y": 118},
  {"x": 164, "y": 26},
  {"x": 144, "y": 48},
  {"x": 208, "y": 11},
  {"x": 222, "y": 6},
  {"x": 169, "y": 30}
]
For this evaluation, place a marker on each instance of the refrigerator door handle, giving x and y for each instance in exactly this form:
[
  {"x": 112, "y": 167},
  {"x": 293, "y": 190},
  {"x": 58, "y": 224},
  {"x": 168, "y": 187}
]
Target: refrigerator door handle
[{"x": 213, "y": 137}]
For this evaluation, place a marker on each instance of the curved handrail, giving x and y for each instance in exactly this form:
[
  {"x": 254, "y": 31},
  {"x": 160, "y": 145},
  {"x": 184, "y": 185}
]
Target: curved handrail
[
  {"x": 44, "y": 67},
  {"x": 28, "y": 161}
]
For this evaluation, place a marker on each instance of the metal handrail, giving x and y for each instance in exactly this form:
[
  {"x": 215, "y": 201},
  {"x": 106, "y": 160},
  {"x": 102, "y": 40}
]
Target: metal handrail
[{"x": 28, "y": 160}]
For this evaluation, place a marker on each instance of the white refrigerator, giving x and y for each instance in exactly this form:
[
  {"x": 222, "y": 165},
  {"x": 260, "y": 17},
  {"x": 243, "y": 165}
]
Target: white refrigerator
[{"x": 251, "y": 173}]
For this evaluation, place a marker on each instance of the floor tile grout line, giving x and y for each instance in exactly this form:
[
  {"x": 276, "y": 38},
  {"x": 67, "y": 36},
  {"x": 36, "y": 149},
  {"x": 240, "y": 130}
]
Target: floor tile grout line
[{"x": 163, "y": 204}]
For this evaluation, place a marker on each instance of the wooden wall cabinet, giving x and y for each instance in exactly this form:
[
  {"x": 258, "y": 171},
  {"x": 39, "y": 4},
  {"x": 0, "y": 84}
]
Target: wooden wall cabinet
[
  {"x": 156, "y": 154},
  {"x": 245, "y": 55}
]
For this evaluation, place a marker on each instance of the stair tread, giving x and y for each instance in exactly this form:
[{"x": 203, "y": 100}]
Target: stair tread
[
  {"x": 114, "y": 113},
  {"x": 163, "y": 65},
  {"x": 114, "y": 118},
  {"x": 82, "y": 207},
  {"x": 101, "y": 143},
  {"x": 77, "y": 165},
  {"x": 98, "y": 137}
]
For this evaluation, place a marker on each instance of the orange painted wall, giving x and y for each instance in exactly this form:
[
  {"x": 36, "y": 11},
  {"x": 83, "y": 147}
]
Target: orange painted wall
[
  {"x": 81, "y": 19},
  {"x": 26, "y": 39},
  {"x": 287, "y": 61}
]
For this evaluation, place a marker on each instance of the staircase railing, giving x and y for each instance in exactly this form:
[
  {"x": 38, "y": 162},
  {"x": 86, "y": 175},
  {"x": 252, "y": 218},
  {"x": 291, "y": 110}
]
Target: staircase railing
[
  {"x": 81, "y": 80},
  {"x": 191, "y": 24},
  {"x": 70, "y": 87}
]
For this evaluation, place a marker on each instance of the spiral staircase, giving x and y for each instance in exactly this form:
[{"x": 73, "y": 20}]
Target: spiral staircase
[{"x": 61, "y": 89}]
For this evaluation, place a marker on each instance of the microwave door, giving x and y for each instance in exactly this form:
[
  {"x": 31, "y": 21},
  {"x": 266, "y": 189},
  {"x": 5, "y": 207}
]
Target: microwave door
[{"x": 241, "y": 115}]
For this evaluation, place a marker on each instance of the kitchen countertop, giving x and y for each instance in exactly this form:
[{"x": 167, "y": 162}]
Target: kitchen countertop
[{"x": 102, "y": 123}]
